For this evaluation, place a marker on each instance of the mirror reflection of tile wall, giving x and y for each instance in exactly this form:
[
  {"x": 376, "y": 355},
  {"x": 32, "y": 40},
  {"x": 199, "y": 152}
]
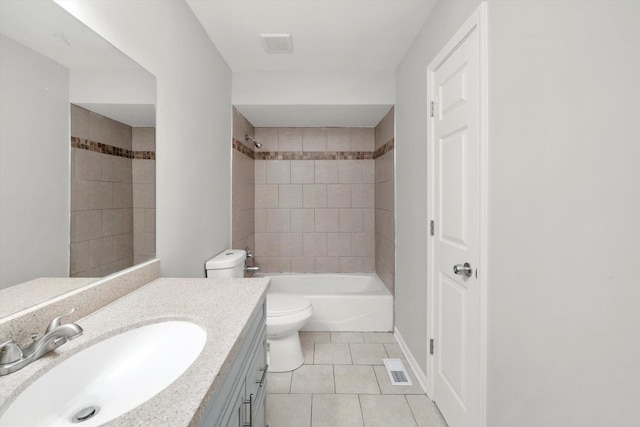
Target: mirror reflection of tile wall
[{"x": 112, "y": 194}]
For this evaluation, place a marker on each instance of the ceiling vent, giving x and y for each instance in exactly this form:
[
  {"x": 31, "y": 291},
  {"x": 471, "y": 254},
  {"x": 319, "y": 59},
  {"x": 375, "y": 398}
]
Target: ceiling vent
[{"x": 277, "y": 43}]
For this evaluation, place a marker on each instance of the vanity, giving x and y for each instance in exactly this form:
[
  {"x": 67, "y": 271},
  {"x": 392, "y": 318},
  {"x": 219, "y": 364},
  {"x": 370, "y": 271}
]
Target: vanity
[{"x": 224, "y": 386}]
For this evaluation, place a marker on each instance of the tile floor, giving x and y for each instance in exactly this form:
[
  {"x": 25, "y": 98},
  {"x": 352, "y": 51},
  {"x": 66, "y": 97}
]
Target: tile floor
[{"x": 343, "y": 383}]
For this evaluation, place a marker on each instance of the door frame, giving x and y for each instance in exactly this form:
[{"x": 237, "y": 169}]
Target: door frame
[{"x": 478, "y": 22}]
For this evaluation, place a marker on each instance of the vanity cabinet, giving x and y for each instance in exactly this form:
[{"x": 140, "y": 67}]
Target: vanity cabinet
[{"x": 240, "y": 400}]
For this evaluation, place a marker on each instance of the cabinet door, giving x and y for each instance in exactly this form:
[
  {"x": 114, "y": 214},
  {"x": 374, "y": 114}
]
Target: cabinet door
[
  {"x": 256, "y": 384},
  {"x": 236, "y": 419}
]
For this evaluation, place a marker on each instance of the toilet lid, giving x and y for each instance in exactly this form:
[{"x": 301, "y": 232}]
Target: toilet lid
[{"x": 286, "y": 304}]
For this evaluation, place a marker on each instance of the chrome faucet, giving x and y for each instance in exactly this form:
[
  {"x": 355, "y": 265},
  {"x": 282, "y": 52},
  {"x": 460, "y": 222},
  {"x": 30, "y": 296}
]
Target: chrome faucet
[
  {"x": 250, "y": 260},
  {"x": 13, "y": 358}
]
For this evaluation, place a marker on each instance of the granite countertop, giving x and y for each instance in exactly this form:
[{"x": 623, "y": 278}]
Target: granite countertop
[{"x": 223, "y": 307}]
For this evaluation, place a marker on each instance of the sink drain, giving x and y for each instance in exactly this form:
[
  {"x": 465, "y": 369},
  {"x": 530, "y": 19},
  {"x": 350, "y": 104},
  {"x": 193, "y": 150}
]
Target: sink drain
[{"x": 85, "y": 414}]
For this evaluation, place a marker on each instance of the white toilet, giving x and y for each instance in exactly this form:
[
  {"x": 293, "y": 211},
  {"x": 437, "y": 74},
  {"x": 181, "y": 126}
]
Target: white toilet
[{"x": 286, "y": 314}]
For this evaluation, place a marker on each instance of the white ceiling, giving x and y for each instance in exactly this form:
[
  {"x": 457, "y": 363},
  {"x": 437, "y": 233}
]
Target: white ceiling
[{"x": 328, "y": 35}]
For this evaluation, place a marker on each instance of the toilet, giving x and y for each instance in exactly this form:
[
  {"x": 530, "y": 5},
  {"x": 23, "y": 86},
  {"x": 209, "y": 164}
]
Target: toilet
[{"x": 286, "y": 313}]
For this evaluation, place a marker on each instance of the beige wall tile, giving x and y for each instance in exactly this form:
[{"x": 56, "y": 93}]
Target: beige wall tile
[
  {"x": 339, "y": 244},
  {"x": 339, "y": 195},
  {"x": 338, "y": 139},
  {"x": 123, "y": 246},
  {"x": 143, "y": 139},
  {"x": 116, "y": 169},
  {"x": 89, "y": 165},
  {"x": 267, "y": 244},
  {"x": 150, "y": 215},
  {"x": 112, "y": 222},
  {"x": 278, "y": 220},
  {"x": 88, "y": 225},
  {"x": 314, "y": 244},
  {"x": 101, "y": 195},
  {"x": 351, "y": 220},
  {"x": 144, "y": 171},
  {"x": 101, "y": 251},
  {"x": 368, "y": 218},
  {"x": 241, "y": 126},
  {"x": 144, "y": 195},
  {"x": 290, "y": 195},
  {"x": 268, "y": 137},
  {"x": 326, "y": 171},
  {"x": 302, "y": 171},
  {"x": 363, "y": 244},
  {"x": 384, "y": 167},
  {"x": 384, "y": 195},
  {"x": 289, "y": 139},
  {"x": 357, "y": 265},
  {"x": 290, "y": 244},
  {"x": 260, "y": 171},
  {"x": 279, "y": 265},
  {"x": 368, "y": 171},
  {"x": 303, "y": 264},
  {"x": 314, "y": 139},
  {"x": 266, "y": 196},
  {"x": 302, "y": 220},
  {"x": 80, "y": 195},
  {"x": 121, "y": 135},
  {"x": 144, "y": 244},
  {"x": 260, "y": 221},
  {"x": 327, "y": 264},
  {"x": 79, "y": 257},
  {"x": 385, "y": 224},
  {"x": 278, "y": 171},
  {"x": 327, "y": 220},
  {"x": 363, "y": 195},
  {"x": 362, "y": 139},
  {"x": 123, "y": 195},
  {"x": 350, "y": 171},
  {"x": 79, "y": 122},
  {"x": 385, "y": 129},
  {"x": 100, "y": 128},
  {"x": 314, "y": 196}
]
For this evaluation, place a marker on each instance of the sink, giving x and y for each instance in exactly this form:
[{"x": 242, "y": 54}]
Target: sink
[{"x": 109, "y": 378}]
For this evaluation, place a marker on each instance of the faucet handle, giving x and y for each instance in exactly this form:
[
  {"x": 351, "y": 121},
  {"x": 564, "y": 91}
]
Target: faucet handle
[
  {"x": 9, "y": 352},
  {"x": 56, "y": 321}
]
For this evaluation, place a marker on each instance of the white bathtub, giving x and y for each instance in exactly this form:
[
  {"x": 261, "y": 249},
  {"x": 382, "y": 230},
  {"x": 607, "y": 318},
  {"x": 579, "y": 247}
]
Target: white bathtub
[{"x": 341, "y": 302}]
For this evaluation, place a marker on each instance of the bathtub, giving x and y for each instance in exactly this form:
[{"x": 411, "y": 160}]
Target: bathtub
[{"x": 341, "y": 302}]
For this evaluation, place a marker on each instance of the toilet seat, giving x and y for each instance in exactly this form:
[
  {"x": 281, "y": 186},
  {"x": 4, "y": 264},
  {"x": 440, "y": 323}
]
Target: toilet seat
[{"x": 279, "y": 305}]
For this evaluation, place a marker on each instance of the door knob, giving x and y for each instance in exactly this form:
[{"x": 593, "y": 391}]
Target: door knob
[{"x": 463, "y": 269}]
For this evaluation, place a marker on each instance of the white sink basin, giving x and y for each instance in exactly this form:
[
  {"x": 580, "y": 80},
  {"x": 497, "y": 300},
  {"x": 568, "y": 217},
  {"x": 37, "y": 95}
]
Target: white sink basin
[{"x": 114, "y": 376}]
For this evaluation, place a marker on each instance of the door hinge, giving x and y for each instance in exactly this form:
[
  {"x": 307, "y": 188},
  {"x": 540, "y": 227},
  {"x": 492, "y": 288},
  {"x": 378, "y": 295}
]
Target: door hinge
[
  {"x": 432, "y": 108},
  {"x": 431, "y": 346},
  {"x": 432, "y": 228}
]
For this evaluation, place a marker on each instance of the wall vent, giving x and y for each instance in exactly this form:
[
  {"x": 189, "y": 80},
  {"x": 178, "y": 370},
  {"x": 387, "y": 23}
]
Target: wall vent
[{"x": 277, "y": 43}]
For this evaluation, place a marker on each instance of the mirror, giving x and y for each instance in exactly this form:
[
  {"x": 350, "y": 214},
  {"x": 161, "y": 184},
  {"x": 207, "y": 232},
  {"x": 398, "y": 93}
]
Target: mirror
[{"x": 77, "y": 155}]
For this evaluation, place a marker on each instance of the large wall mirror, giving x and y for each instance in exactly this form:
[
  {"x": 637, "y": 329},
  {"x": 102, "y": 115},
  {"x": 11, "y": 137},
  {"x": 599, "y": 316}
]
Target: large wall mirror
[{"x": 77, "y": 153}]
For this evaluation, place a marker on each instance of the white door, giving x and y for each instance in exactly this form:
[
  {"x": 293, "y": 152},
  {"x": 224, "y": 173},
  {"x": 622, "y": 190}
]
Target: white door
[{"x": 455, "y": 83}]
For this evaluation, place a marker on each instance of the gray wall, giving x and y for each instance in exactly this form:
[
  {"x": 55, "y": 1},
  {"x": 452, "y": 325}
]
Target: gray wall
[
  {"x": 34, "y": 165},
  {"x": 563, "y": 323}
]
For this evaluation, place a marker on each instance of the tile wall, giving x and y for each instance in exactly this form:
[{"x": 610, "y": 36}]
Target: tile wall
[
  {"x": 242, "y": 184},
  {"x": 384, "y": 205},
  {"x": 315, "y": 200},
  {"x": 102, "y": 193},
  {"x": 144, "y": 199}
]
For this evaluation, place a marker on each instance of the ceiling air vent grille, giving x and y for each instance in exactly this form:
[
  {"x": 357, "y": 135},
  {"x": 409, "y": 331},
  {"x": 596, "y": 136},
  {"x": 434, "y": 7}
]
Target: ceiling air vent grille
[{"x": 277, "y": 43}]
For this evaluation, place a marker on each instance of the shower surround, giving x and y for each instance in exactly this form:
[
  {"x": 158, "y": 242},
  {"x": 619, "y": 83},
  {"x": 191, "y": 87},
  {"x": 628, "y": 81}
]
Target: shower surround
[{"x": 309, "y": 203}]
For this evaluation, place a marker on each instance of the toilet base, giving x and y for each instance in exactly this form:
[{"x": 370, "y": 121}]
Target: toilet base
[{"x": 284, "y": 353}]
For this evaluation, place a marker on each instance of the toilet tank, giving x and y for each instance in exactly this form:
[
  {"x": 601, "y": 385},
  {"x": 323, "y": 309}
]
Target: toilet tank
[{"x": 229, "y": 263}]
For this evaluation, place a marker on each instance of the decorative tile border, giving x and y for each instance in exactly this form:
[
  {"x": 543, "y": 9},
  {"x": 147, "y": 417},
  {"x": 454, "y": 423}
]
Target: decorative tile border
[
  {"x": 98, "y": 147},
  {"x": 313, "y": 155}
]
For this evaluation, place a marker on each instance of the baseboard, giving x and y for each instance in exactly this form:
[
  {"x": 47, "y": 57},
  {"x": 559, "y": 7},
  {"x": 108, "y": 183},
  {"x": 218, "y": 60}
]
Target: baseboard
[{"x": 420, "y": 376}]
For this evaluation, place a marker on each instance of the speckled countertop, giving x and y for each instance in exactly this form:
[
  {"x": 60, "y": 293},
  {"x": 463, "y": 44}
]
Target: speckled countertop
[{"x": 223, "y": 307}]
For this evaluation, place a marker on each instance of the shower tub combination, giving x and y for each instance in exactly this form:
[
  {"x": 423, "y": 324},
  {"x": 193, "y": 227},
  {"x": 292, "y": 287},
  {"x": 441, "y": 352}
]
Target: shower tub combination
[{"x": 341, "y": 302}]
